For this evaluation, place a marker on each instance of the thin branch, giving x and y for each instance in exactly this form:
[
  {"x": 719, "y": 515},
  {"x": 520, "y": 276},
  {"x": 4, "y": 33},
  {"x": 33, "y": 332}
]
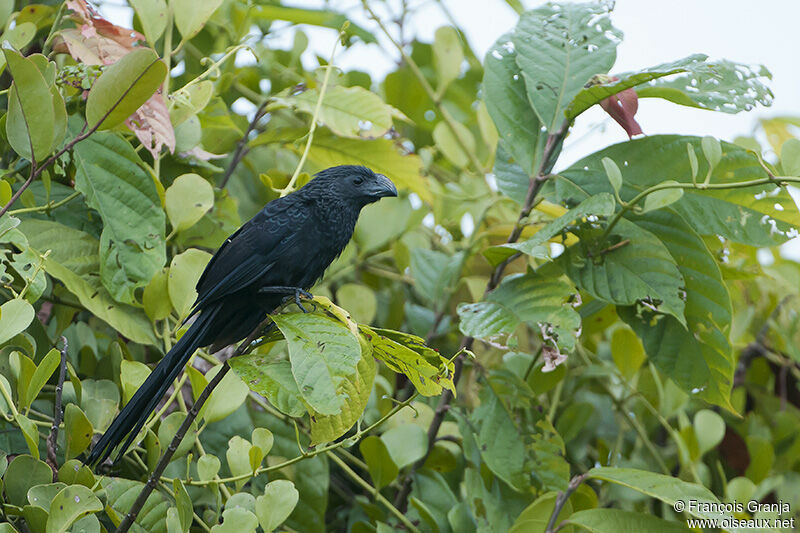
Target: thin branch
[
  {"x": 241, "y": 148},
  {"x": 152, "y": 481},
  {"x": 45, "y": 208},
  {"x": 36, "y": 170},
  {"x": 561, "y": 500},
  {"x": 58, "y": 413}
]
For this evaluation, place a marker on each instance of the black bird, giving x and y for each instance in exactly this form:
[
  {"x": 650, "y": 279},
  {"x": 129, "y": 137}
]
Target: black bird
[{"x": 280, "y": 252}]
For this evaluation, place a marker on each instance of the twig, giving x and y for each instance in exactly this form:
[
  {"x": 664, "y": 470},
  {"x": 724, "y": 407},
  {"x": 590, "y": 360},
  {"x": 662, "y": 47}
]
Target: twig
[
  {"x": 50, "y": 205},
  {"x": 561, "y": 500},
  {"x": 58, "y": 413},
  {"x": 241, "y": 148},
  {"x": 36, "y": 170},
  {"x": 152, "y": 481},
  {"x": 549, "y": 155}
]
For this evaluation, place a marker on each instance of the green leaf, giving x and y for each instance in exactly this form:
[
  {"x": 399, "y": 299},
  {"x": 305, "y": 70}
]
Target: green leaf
[
  {"x": 627, "y": 351},
  {"x": 120, "y": 495},
  {"x": 44, "y": 370},
  {"x": 207, "y": 467},
  {"x": 42, "y": 495},
  {"x": 23, "y": 473},
  {"x": 664, "y": 488},
  {"x": 132, "y": 375},
  {"x": 709, "y": 428},
  {"x": 722, "y": 85},
  {"x": 323, "y": 353},
  {"x": 78, "y": 431},
  {"x": 790, "y": 157},
  {"x": 382, "y": 468},
  {"x": 189, "y": 101},
  {"x": 153, "y": 16},
  {"x": 18, "y": 36},
  {"x": 447, "y": 56},
  {"x": 594, "y": 93},
  {"x": 111, "y": 176},
  {"x": 167, "y": 429},
  {"x": 532, "y": 299},
  {"x": 435, "y": 273},
  {"x": 693, "y": 164},
  {"x": 599, "y": 205},
  {"x": 406, "y": 354},
  {"x": 559, "y": 48},
  {"x": 712, "y": 149},
  {"x": 359, "y": 300},
  {"x": 662, "y": 198},
  {"x": 356, "y": 388},
  {"x": 99, "y": 400},
  {"x": 744, "y": 215},
  {"x": 238, "y": 456},
  {"x": 271, "y": 379},
  {"x": 184, "y": 271},
  {"x": 155, "y": 298},
  {"x": 316, "y": 17},
  {"x": 30, "y": 432},
  {"x": 613, "y": 173},
  {"x": 641, "y": 270},
  {"x": 236, "y": 520},
  {"x": 708, "y": 317},
  {"x": 406, "y": 444},
  {"x": 449, "y": 142},
  {"x": 30, "y": 121},
  {"x": 507, "y": 102},
  {"x": 347, "y": 111},
  {"x": 501, "y": 444},
  {"x": 187, "y": 200},
  {"x": 15, "y": 316},
  {"x": 190, "y": 17},
  {"x": 123, "y": 87},
  {"x": 535, "y": 517},
  {"x": 74, "y": 261},
  {"x": 226, "y": 398},
  {"x": 72, "y": 503},
  {"x": 512, "y": 180},
  {"x": 619, "y": 521},
  {"x": 276, "y": 504}
]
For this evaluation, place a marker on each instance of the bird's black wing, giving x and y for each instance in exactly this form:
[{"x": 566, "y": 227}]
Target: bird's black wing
[{"x": 248, "y": 254}]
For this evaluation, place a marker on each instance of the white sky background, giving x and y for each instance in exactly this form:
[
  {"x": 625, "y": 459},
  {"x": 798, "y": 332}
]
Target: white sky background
[{"x": 655, "y": 31}]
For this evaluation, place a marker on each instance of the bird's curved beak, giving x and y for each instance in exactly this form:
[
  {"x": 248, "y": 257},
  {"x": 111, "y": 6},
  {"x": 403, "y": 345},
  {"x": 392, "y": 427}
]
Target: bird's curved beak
[{"x": 383, "y": 187}]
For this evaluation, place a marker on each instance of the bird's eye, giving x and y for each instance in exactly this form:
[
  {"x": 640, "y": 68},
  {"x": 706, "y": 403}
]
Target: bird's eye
[{"x": 358, "y": 181}]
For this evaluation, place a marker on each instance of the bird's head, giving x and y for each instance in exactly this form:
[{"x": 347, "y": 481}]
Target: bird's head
[{"x": 353, "y": 183}]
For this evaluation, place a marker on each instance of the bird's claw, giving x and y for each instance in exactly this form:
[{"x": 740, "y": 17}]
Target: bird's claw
[{"x": 305, "y": 294}]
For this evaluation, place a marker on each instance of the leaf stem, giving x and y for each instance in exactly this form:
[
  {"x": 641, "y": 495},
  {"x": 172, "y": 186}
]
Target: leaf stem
[
  {"x": 58, "y": 413},
  {"x": 561, "y": 500},
  {"x": 50, "y": 205}
]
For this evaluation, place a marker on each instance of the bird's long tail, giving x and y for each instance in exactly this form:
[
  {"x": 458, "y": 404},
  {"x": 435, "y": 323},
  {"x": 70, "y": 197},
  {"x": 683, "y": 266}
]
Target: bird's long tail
[{"x": 133, "y": 416}]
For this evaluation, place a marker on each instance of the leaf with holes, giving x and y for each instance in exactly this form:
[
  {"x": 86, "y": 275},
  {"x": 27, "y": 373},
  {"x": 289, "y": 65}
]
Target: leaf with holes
[{"x": 558, "y": 50}]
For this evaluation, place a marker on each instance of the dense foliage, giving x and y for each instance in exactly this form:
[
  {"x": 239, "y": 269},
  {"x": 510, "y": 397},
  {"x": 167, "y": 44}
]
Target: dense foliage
[{"x": 510, "y": 344}]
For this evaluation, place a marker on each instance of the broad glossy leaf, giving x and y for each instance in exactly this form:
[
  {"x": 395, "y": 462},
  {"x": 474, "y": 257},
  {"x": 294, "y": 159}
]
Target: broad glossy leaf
[
  {"x": 226, "y": 398},
  {"x": 30, "y": 122},
  {"x": 153, "y": 16},
  {"x": 73, "y": 260},
  {"x": 276, "y": 504},
  {"x": 167, "y": 429},
  {"x": 627, "y": 351},
  {"x": 44, "y": 370},
  {"x": 641, "y": 270},
  {"x": 359, "y": 300},
  {"x": 208, "y": 466},
  {"x": 619, "y": 521},
  {"x": 15, "y": 316},
  {"x": 190, "y": 100},
  {"x": 155, "y": 298},
  {"x": 533, "y": 299},
  {"x": 592, "y": 95},
  {"x": 316, "y": 17},
  {"x": 447, "y": 56},
  {"x": 72, "y": 503},
  {"x": 190, "y": 16},
  {"x": 406, "y": 443},
  {"x": 501, "y": 444},
  {"x": 672, "y": 347},
  {"x": 238, "y": 457},
  {"x": 110, "y": 175},
  {"x": 121, "y": 493},
  {"x": 184, "y": 271},
  {"x": 323, "y": 353},
  {"x": 24, "y": 472},
  {"x": 745, "y": 215},
  {"x": 42, "y": 495},
  {"x": 665, "y": 488},
  {"x": 132, "y": 375},
  {"x": 271, "y": 379},
  {"x": 507, "y": 102},
  {"x": 535, "y": 517},
  {"x": 512, "y": 180},
  {"x": 662, "y": 198},
  {"x": 187, "y": 200},
  {"x": 18, "y": 36},
  {"x": 78, "y": 431},
  {"x": 709, "y": 428},
  {"x": 356, "y": 389},
  {"x": 455, "y": 145},
  {"x": 559, "y": 47},
  {"x": 124, "y": 87},
  {"x": 347, "y": 111},
  {"x": 435, "y": 273},
  {"x": 723, "y": 85},
  {"x": 382, "y": 468}
]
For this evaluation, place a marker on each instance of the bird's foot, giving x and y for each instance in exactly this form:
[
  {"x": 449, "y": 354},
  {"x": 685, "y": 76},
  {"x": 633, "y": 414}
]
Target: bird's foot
[
  {"x": 305, "y": 294},
  {"x": 293, "y": 292}
]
